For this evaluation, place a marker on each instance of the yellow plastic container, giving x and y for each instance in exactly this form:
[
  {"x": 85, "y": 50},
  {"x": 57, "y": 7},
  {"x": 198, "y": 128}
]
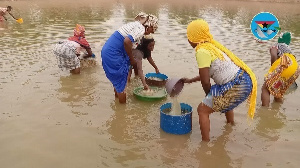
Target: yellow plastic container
[
  {"x": 20, "y": 20},
  {"x": 288, "y": 72}
]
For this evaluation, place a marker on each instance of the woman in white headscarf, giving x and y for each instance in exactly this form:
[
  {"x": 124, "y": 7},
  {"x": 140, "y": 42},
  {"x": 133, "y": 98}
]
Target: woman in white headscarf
[{"x": 117, "y": 55}]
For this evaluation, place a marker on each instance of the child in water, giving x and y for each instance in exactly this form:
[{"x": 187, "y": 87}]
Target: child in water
[{"x": 143, "y": 51}]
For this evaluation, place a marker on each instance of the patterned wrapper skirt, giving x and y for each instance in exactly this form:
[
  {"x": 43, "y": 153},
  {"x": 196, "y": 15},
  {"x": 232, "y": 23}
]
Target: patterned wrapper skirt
[
  {"x": 65, "y": 52},
  {"x": 223, "y": 98},
  {"x": 282, "y": 74}
]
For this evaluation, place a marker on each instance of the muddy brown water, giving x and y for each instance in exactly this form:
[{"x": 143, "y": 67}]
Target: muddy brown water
[{"x": 49, "y": 118}]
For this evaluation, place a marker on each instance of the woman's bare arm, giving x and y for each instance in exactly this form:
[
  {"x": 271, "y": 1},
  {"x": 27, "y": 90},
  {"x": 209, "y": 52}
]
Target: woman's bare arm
[
  {"x": 273, "y": 52},
  {"x": 140, "y": 73},
  {"x": 151, "y": 61},
  {"x": 205, "y": 79},
  {"x": 128, "y": 49},
  {"x": 89, "y": 53}
]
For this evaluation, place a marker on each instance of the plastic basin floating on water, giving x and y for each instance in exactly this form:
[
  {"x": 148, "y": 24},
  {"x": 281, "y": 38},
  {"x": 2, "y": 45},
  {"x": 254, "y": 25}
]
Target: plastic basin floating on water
[
  {"x": 158, "y": 93},
  {"x": 20, "y": 20},
  {"x": 181, "y": 124},
  {"x": 150, "y": 79}
]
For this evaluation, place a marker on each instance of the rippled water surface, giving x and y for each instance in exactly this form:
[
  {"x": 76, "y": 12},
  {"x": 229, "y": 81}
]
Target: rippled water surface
[{"x": 49, "y": 118}]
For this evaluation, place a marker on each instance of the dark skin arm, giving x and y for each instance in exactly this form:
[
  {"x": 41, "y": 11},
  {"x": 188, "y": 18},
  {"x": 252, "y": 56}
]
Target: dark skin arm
[
  {"x": 205, "y": 79},
  {"x": 195, "y": 79},
  {"x": 89, "y": 53},
  {"x": 151, "y": 61},
  {"x": 273, "y": 52},
  {"x": 128, "y": 49}
]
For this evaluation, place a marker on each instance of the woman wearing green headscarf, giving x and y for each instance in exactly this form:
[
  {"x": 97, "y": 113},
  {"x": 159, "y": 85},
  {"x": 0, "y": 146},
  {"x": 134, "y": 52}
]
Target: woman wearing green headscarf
[{"x": 283, "y": 72}]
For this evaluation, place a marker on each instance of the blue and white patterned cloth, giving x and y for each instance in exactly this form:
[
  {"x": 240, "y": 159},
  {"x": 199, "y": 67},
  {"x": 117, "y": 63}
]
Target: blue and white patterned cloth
[{"x": 226, "y": 97}]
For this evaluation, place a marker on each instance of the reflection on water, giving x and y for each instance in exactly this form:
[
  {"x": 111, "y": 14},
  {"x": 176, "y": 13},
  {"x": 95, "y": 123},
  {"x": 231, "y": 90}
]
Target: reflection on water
[
  {"x": 174, "y": 149},
  {"x": 215, "y": 154},
  {"x": 270, "y": 121},
  {"x": 130, "y": 131},
  {"x": 76, "y": 89},
  {"x": 36, "y": 95}
]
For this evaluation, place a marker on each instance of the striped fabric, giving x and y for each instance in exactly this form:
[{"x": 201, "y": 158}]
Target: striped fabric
[
  {"x": 218, "y": 90},
  {"x": 223, "y": 98},
  {"x": 134, "y": 29}
]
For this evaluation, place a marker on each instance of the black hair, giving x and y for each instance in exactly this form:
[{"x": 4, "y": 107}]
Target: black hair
[
  {"x": 9, "y": 7},
  {"x": 144, "y": 47}
]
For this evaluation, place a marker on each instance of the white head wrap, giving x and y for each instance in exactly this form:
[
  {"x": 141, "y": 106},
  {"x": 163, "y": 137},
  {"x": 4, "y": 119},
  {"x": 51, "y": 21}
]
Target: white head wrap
[{"x": 147, "y": 20}]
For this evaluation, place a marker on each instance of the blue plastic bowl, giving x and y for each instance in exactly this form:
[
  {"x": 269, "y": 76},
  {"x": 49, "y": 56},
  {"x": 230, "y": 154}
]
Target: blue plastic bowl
[
  {"x": 159, "y": 75},
  {"x": 176, "y": 124},
  {"x": 152, "y": 82}
]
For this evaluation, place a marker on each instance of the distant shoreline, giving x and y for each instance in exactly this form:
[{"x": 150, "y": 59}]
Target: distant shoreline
[{"x": 276, "y": 1}]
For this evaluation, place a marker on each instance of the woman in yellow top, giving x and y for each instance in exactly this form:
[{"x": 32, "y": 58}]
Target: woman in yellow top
[
  {"x": 235, "y": 81},
  {"x": 283, "y": 72}
]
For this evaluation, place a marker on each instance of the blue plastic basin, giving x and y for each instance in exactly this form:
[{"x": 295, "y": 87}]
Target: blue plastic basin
[{"x": 152, "y": 82}]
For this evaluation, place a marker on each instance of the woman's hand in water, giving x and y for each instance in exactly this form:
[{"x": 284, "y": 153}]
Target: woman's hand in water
[
  {"x": 146, "y": 87},
  {"x": 88, "y": 56}
]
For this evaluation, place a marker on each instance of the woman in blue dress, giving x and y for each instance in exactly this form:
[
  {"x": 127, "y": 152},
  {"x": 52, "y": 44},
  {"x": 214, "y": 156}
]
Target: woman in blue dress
[{"x": 117, "y": 55}]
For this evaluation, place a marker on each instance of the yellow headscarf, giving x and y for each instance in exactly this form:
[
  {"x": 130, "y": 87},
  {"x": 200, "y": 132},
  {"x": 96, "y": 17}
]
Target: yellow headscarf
[{"x": 198, "y": 32}]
